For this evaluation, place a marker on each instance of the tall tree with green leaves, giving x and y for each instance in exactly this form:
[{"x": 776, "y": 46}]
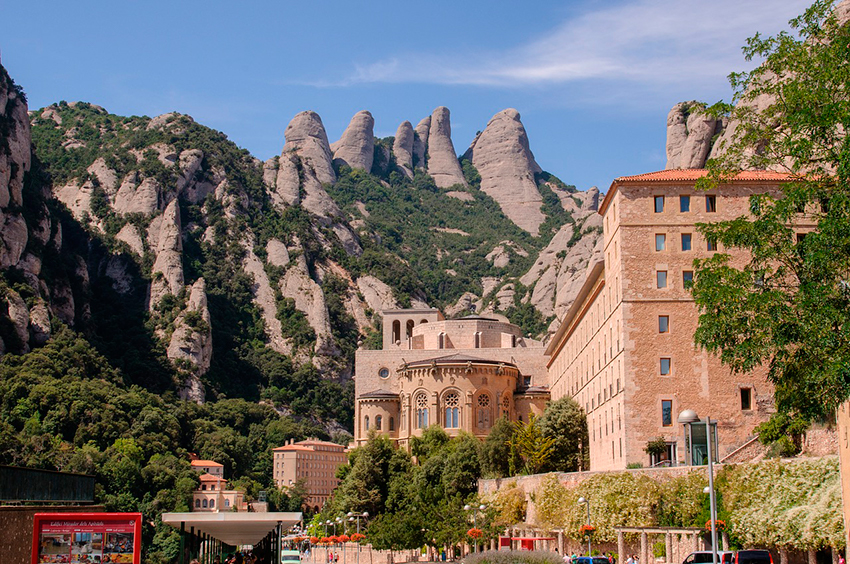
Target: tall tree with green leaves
[
  {"x": 534, "y": 449},
  {"x": 565, "y": 422},
  {"x": 496, "y": 452},
  {"x": 788, "y": 305}
]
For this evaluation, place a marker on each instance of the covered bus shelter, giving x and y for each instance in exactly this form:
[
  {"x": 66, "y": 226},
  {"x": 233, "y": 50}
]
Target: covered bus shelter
[{"x": 203, "y": 535}]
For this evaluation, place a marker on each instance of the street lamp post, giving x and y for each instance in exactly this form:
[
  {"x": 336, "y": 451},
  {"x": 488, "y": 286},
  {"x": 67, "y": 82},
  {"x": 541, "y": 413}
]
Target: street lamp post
[
  {"x": 689, "y": 417},
  {"x": 587, "y": 503},
  {"x": 475, "y": 511},
  {"x": 351, "y": 517}
]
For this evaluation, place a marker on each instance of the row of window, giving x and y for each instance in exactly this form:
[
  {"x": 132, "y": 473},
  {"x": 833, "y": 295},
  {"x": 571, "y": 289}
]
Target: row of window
[
  {"x": 211, "y": 505},
  {"x": 746, "y": 395},
  {"x": 685, "y": 203},
  {"x": 379, "y": 422},
  {"x": 687, "y": 242},
  {"x": 661, "y": 278}
]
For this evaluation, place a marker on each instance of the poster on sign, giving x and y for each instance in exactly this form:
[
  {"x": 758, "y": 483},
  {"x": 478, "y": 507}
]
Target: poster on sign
[{"x": 87, "y": 538}]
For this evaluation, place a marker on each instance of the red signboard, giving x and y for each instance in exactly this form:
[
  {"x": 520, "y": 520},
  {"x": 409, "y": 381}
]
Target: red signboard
[{"x": 87, "y": 538}]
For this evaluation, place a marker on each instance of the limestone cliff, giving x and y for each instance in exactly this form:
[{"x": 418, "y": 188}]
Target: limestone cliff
[
  {"x": 356, "y": 147},
  {"x": 443, "y": 165},
  {"x": 502, "y": 156},
  {"x": 191, "y": 343},
  {"x": 168, "y": 267},
  {"x": 403, "y": 148},
  {"x": 690, "y": 135}
]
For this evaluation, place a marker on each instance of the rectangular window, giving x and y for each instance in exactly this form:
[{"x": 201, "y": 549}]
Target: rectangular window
[
  {"x": 661, "y": 279},
  {"x": 667, "y": 413},
  {"x": 711, "y": 203},
  {"x": 746, "y": 399},
  {"x": 688, "y": 278},
  {"x": 686, "y": 241},
  {"x": 663, "y": 323},
  {"x": 684, "y": 203},
  {"x": 665, "y": 366},
  {"x": 659, "y": 204},
  {"x": 660, "y": 241},
  {"x": 710, "y": 245}
]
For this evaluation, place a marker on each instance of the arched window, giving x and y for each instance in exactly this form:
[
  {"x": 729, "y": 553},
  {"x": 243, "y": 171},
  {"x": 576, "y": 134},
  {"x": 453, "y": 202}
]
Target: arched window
[
  {"x": 197, "y": 503},
  {"x": 451, "y": 403},
  {"x": 396, "y": 331},
  {"x": 477, "y": 339},
  {"x": 378, "y": 421},
  {"x": 421, "y": 410},
  {"x": 484, "y": 411},
  {"x": 506, "y": 407},
  {"x": 442, "y": 340},
  {"x": 392, "y": 424},
  {"x": 423, "y": 321},
  {"x": 366, "y": 421},
  {"x": 212, "y": 504},
  {"x": 227, "y": 503},
  {"x": 204, "y": 504},
  {"x": 410, "y": 323}
]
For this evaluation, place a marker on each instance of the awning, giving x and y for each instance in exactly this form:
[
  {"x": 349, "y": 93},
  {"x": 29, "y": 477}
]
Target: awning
[{"x": 231, "y": 527}]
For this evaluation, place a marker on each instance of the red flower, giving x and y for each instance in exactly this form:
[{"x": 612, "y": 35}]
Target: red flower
[
  {"x": 314, "y": 540},
  {"x": 343, "y": 538},
  {"x": 357, "y": 537},
  {"x": 719, "y": 523},
  {"x": 474, "y": 533},
  {"x": 586, "y": 530}
]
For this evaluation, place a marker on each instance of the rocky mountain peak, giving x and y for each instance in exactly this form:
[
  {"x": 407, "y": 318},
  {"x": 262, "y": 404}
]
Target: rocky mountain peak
[
  {"x": 690, "y": 134},
  {"x": 403, "y": 148},
  {"x": 443, "y": 165},
  {"x": 420, "y": 142},
  {"x": 356, "y": 147},
  {"x": 507, "y": 167},
  {"x": 306, "y": 136}
]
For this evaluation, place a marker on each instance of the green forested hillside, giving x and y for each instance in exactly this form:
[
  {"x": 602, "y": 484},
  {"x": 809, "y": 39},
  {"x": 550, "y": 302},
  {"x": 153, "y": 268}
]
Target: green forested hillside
[{"x": 99, "y": 390}]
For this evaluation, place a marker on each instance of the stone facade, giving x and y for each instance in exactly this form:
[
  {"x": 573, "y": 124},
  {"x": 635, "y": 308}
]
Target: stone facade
[
  {"x": 461, "y": 374},
  {"x": 625, "y": 349},
  {"x": 213, "y": 496},
  {"x": 312, "y": 461}
]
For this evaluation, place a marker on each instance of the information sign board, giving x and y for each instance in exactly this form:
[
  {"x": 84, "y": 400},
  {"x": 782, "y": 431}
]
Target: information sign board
[{"x": 87, "y": 538}]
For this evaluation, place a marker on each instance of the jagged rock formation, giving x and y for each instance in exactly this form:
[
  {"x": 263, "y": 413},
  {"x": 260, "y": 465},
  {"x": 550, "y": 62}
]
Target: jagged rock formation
[
  {"x": 403, "y": 148},
  {"x": 310, "y": 300},
  {"x": 356, "y": 147},
  {"x": 557, "y": 279},
  {"x": 296, "y": 177},
  {"x": 264, "y": 296},
  {"x": 377, "y": 294},
  {"x": 168, "y": 268},
  {"x": 420, "y": 142},
  {"x": 507, "y": 168},
  {"x": 443, "y": 165},
  {"x": 690, "y": 134},
  {"x": 304, "y": 165},
  {"x": 191, "y": 343}
]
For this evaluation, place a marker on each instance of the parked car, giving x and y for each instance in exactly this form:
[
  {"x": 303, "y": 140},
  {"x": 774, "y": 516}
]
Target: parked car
[
  {"x": 589, "y": 560},
  {"x": 753, "y": 557},
  {"x": 705, "y": 556}
]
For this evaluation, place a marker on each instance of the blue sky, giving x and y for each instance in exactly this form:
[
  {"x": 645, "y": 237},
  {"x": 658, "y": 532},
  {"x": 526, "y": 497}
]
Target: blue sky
[{"x": 592, "y": 79}]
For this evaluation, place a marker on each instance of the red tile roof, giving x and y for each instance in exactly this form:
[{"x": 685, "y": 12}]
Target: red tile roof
[
  {"x": 207, "y": 463},
  {"x": 676, "y": 175},
  {"x": 688, "y": 175},
  {"x": 211, "y": 478}
]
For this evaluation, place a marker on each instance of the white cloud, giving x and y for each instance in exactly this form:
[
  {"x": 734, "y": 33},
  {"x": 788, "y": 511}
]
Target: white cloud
[{"x": 649, "y": 42}]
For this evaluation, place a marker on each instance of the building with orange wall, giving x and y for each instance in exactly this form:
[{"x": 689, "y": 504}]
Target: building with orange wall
[{"x": 625, "y": 350}]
